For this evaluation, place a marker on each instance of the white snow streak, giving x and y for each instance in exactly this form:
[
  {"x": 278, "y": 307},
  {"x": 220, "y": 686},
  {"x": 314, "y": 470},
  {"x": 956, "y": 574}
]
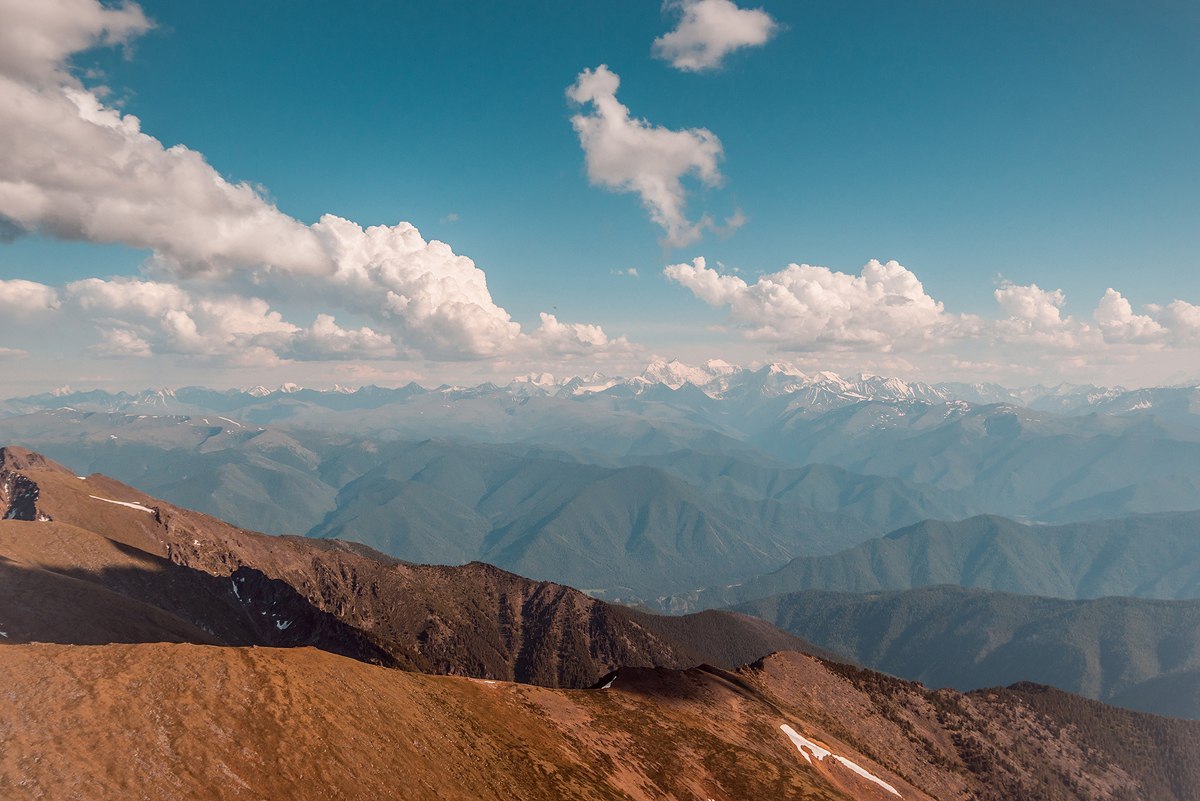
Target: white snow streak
[
  {"x": 805, "y": 746},
  {"x": 129, "y": 504}
]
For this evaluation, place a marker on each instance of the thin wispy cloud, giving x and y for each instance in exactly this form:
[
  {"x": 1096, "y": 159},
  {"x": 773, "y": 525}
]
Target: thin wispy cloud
[{"x": 709, "y": 30}]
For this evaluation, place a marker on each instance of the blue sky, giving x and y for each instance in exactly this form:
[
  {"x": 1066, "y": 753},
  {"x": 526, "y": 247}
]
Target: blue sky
[{"x": 1039, "y": 143}]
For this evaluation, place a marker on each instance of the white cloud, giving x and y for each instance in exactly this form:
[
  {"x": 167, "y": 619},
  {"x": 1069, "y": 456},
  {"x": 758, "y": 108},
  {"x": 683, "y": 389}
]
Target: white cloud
[
  {"x": 1181, "y": 319},
  {"x": 324, "y": 340},
  {"x": 141, "y": 318},
  {"x": 437, "y": 301},
  {"x": 1176, "y": 324},
  {"x": 803, "y": 307},
  {"x": 553, "y": 338},
  {"x": 1035, "y": 314},
  {"x": 20, "y": 298},
  {"x": 851, "y": 321},
  {"x": 709, "y": 30},
  {"x": 138, "y": 318},
  {"x": 121, "y": 343},
  {"x": 74, "y": 168},
  {"x": 1114, "y": 314},
  {"x": 39, "y": 35},
  {"x": 632, "y": 155}
]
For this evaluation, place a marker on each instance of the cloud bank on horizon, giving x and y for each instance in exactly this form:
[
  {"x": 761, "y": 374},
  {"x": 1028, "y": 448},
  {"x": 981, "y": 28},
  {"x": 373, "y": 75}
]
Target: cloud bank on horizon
[
  {"x": 886, "y": 310},
  {"x": 226, "y": 263}
]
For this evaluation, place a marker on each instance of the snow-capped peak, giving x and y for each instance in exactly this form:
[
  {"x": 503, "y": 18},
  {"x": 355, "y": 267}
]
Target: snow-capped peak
[
  {"x": 675, "y": 373},
  {"x": 543, "y": 380}
]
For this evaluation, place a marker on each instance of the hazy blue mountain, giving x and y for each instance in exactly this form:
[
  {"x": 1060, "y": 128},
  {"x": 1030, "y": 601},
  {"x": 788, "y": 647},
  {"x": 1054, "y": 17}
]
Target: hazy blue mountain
[
  {"x": 678, "y": 479},
  {"x": 1145, "y": 556},
  {"x": 1132, "y": 452},
  {"x": 1135, "y": 652},
  {"x": 873, "y": 499},
  {"x": 682, "y": 520},
  {"x": 1007, "y": 460},
  {"x": 637, "y": 528}
]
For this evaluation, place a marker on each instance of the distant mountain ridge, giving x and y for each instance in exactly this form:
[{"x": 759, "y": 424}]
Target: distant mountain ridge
[
  {"x": 663, "y": 523},
  {"x": 1146, "y": 556},
  {"x": 1135, "y": 652},
  {"x": 715, "y": 379}
]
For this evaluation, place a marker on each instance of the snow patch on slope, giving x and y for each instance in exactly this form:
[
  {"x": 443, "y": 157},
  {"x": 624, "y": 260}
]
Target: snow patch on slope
[
  {"x": 807, "y": 747},
  {"x": 129, "y": 504}
]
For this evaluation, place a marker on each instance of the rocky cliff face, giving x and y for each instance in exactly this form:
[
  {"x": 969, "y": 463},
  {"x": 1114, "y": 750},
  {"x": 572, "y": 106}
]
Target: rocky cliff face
[{"x": 18, "y": 493}]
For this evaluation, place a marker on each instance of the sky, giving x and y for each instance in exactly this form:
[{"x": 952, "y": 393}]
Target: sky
[{"x": 233, "y": 193}]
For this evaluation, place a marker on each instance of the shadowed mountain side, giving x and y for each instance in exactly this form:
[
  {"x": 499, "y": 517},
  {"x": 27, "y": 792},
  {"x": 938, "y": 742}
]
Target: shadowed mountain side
[
  {"x": 118, "y": 593},
  {"x": 303, "y": 724},
  {"x": 1164, "y": 695},
  {"x": 1129, "y": 651},
  {"x": 250, "y": 588},
  {"x": 43, "y": 606},
  {"x": 1144, "y": 556},
  {"x": 726, "y": 639}
]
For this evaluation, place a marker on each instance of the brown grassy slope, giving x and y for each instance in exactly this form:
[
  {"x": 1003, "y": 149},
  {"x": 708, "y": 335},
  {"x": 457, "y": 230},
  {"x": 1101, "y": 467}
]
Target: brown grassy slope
[
  {"x": 472, "y": 620},
  {"x": 184, "y": 721},
  {"x": 303, "y": 724}
]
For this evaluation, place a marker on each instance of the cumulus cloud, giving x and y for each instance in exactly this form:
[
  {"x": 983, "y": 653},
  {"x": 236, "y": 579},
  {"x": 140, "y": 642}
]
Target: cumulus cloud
[
  {"x": 20, "y": 298},
  {"x": 803, "y": 307},
  {"x": 624, "y": 154},
  {"x": 140, "y": 318},
  {"x": 553, "y": 338},
  {"x": 38, "y": 37},
  {"x": 885, "y": 311},
  {"x": 74, "y": 168},
  {"x": 709, "y": 30},
  {"x": 1035, "y": 314},
  {"x": 1176, "y": 324},
  {"x": 438, "y": 301},
  {"x": 325, "y": 339}
]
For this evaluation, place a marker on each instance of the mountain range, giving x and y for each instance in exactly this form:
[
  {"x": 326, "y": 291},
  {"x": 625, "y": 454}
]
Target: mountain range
[
  {"x": 328, "y": 668},
  {"x": 106, "y": 563},
  {"x": 672, "y": 488},
  {"x": 1145, "y": 556},
  {"x": 1133, "y": 652}
]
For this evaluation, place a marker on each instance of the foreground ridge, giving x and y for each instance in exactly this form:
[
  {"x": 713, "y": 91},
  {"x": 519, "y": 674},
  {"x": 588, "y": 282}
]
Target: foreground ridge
[{"x": 132, "y": 638}]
